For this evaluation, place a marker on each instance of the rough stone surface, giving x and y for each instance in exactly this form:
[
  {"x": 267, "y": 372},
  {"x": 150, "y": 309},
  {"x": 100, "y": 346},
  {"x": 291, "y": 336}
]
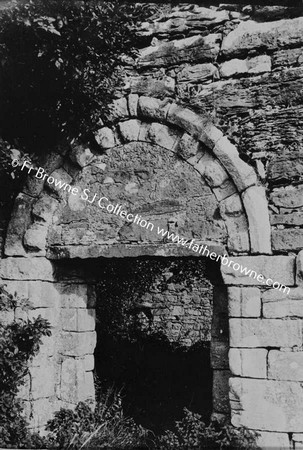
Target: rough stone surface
[
  {"x": 233, "y": 67},
  {"x": 290, "y": 198},
  {"x": 18, "y": 224},
  {"x": 130, "y": 130},
  {"x": 77, "y": 344},
  {"x": 252, "y": 35},
  {"x": 277, "y": 441},
  {"x": 266, "y": 404},
  {"x": 193, "y": 48},
  {"x": 220, "y": 391},
  {"x": 35, "y": 238},
  {"x": 265, "y": 333},
  {"x": 244, "y": 302},
  {"x": 285, "y": 365},
  {"x": 249, "y": 363},
  {"x": 256, "y": 208},
  {"x": 276, "y": 268},
  {"x": 105, "y": 138},
  {"x": 242, "y": 174},
  {"x": 278, "y": 304},
  {"x": 26, "y": 269},
  {"x": 75, "y": 319},
  {"x": 299, "y": 268},
  {"x": 72, "y": 386}
]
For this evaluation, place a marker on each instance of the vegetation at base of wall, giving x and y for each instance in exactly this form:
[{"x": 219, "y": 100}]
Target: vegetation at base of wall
[
  {"x": 19, "y": 342},
  {"x": 107, "y": 427},
  {"x": 192, "y": 433},
  {"x": 104, "y": 427},
  {"x": 59, "y": 67}
]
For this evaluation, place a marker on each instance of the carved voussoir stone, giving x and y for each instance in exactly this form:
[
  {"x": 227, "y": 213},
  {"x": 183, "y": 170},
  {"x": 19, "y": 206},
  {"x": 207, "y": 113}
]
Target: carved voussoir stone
[{"x": 242, "y": 174}]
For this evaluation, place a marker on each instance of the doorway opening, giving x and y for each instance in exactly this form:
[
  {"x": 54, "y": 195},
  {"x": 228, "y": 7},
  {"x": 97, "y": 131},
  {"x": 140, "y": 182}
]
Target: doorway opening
[{"x": 154, "y": 327}]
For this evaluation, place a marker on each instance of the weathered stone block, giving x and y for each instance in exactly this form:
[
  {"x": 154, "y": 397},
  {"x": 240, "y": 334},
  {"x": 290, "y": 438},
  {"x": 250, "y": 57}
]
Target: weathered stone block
[
  {"x": 196, "y": 73},
  {"x": 26, "y": 269},
  {"x": 35, "y": 238},
  {"x": 50, "y": 314},
  {"x": 186, "y": 120},
  {"x": 287, "y": 239},
  {"x": 163, "y": 136},
  {"x": 60, "y": 175},
  {"x": 283, "y": 304},
  {"x": 266, "y": 404},
  {"x": 290, "y": 197},
  {"x": 256, "y": 208},
  {"x": 194, "y": 48},
  {"x": 252, "y": 35},
  {"x": 42, "y": 381},
  {"x": 270, "y": 440},
  {"x": 105, "y": 138},
  {"x": 133, "y": 104},
  {"x": 76, "y": 319},
  {"x": 220, "y": 391},
  {"x": 285, "y": 365},
  {"x": 77, "y": 344},
  {"x": 219, "y": 354},
  {"x": 153, "y": 108},
  {"x": 155, "y": 87},
  {"x": 72, "y": 385},
  {"x": 259, "y": 64},
  {"x": 188, "y": 146},
  {"x": 242, "y": 174},
  {"x": 211, "y": 170},
  {"x": 89, "y": 362},
  {"x": 81, "y": 155},
  {"x": 244, "y": 302},
  {"x": 73, "y": 295},
  {"x": 89, "y": 386},
  {"x": 118, "y": 109},
  {"x": 276, "y": 268},
  {"x": 130, "y": 130},
  {"x": 299, "y": 270},
  {"x": 44, "y": 207},
  {"x": 265, "y": 333},
  {"x": 18, "y": 224},
  {"x": 249, "y": 363}
]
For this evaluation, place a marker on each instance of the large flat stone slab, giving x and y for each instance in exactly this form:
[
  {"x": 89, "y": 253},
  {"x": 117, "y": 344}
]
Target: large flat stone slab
[
  {"x": 252, "y": 35},
  {"x": 267, "y": 405}
]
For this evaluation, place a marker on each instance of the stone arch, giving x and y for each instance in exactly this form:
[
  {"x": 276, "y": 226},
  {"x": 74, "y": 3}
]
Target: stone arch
[
  {"x": 27, "y": 266},
  {"x": 241, "y": 198}
]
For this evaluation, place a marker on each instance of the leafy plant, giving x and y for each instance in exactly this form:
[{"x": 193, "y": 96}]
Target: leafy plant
[
  {"x": 19, "y": 341},
  {"x": 60, "y": 66},
  {"x": 104, "y": 427},
  {"x": 192, "y": 433}
]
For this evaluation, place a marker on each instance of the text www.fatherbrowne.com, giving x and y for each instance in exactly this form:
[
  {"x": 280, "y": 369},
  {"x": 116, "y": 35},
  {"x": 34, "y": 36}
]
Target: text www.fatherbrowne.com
[{"x": 104, "y": 203}]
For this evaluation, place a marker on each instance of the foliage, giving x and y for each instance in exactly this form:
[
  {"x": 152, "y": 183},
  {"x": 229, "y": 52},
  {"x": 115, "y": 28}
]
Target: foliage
[
  {"x": 105, "y": 427},
  {"x": 59, "y": 66},
  {"x": 19, "y": 341},
  {"x": 192, "y": 433}
]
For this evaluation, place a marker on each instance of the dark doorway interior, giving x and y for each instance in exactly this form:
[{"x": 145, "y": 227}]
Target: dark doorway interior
[{"x": 153, "y": 336}]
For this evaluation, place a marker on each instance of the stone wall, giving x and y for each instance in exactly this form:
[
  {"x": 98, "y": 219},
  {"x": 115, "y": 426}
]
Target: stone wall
[{"x": 204, "y": 140}]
